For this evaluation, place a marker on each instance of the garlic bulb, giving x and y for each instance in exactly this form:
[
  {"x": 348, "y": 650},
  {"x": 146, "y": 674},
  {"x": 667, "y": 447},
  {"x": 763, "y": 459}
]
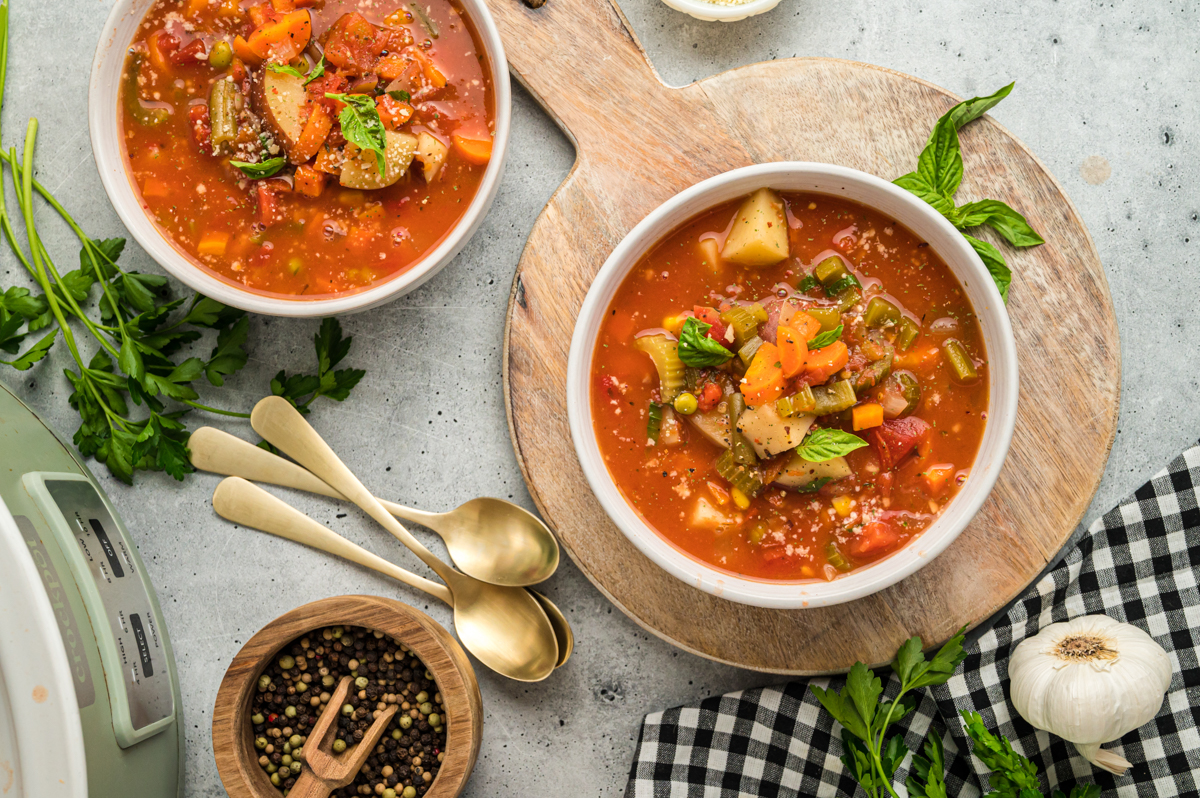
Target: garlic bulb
[{"x": 1090, "y": 680}]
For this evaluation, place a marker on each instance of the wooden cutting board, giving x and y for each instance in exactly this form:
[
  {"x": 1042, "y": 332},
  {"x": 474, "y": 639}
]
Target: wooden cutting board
[{"x": 638, "y": 142}]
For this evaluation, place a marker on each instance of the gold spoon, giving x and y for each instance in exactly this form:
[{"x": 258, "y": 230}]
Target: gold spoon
[
  {"x": 505, "y": 627},
  {"x": 490, "y": 539},
  {"x": 247, "y": 504}
]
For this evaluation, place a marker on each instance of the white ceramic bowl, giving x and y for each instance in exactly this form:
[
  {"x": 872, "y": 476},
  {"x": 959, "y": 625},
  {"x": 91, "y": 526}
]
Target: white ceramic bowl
[
  {"x": 891, "y": 201},
  {"x": 105, "y": 131},
  {"x": 712, "y": 12}
]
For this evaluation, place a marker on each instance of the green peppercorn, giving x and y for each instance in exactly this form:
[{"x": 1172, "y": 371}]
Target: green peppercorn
[
  {"x": 295, "y": 767},
  {"x": 301, "y": 687},
  {"x": 339, "y": 746},
  {"x": 271, "y": 768},
  {"x": 264, "y": 682},
  {"x": 221, "y": 55},
  {"x": 290, "y": 712},
  {"x": 287, "y": 748},
  {"x": 285, "y": 760},
  {"x": 277, "y": 781},
  {"x": 327, "y": 681},
  {"x": 347, "y": 709},
  {"x": 686, "y": 403},
  {"x": 260, "y": 743},
  {"x": 257, "y": 718},
  {"x": 435, "y": 719},
  {"x": 337, "y": 632},
  {"x": 286, "y": 662},
  {"x": 389, "y": 793},
  {"x": 361, "y": 682},
  {"x": 429, "y": 675},
  {"x": 405, "y": 722},
  {"x": 295, "y": 740},
  {"x": 421, "y": 698},
  {"x": 410, "y": 792},
  {"x": 425, "y": 708},
  {"x": 396, "y": 735}
]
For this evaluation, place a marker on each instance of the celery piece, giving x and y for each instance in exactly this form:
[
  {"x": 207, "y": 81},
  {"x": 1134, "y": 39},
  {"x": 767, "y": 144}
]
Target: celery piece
[
  {"x": 880, "y": 313},
  {"x": 830, "y": 270},
  {"x": 149, "y": 117},
  {"x": 746, "y": 353},
  {"x": 835, "y": 557},
  {"x": 665, "y": 354},
  {"x": 744, "y": 478},
  {"x": 802, "y": 401},
  {"x": 830, "y": 317},
  {"x": 654, "y": 422},
  {"x": 745, "y": 326},
  {"x": 960, "y": 362},
  {"x": 848, "y": 298},
  {"x": 833, "y": 398},
  {"x": 873, "y": 374},
  {"x": 909, "y": 330},
  {"x": 743, "y": 452},
  {"x": 759, "y": 313}
]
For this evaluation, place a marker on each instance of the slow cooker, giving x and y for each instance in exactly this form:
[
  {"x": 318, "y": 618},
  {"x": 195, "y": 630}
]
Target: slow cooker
[{"x": 89, "y": 697}]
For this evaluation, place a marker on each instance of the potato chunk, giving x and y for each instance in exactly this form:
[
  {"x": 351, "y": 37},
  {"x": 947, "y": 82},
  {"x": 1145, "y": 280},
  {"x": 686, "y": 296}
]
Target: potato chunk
[
  {"x": 361, "y": 168},
  {"x": 432, "y": 155},
  {"x": 799, "y": 472},
  {"x": 770, "y": 433},
  {"x": 760, "y": 234},
  {"x": 713, "y": 425},
  {"x": 279, "y": 99}
]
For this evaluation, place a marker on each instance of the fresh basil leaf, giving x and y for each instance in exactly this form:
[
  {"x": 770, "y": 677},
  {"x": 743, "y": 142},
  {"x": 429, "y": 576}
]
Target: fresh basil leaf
[
  {"x": 257, "y": 171},
  {"x": 807, "y": 284},
  {"x": 915, "y": 184},
  {"x": 970, "y": 110},
  {"x": 1004, "y": 220},
  {"x": 318, "y": 70},
  {"x": 994, "y": 261},
  {"x": 696, "y": 349},
  {"x": 361, "y": 124},
  {"x": 844, "y": 284},
  {"x": 821, "y": 340},
  {"x": 815, "y": 485},
  {"x": 286, "y": 69},
  {"x": 400, "y": 95},
  {"x": 826, "y": 444}
]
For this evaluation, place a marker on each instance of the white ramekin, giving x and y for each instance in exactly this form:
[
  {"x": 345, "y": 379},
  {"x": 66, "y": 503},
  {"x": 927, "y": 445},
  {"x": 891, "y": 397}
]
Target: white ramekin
[
  {"x": 891, "y": 201},
  {"x": 712, "y": 12},
  {"x": 105, "y": 131}
]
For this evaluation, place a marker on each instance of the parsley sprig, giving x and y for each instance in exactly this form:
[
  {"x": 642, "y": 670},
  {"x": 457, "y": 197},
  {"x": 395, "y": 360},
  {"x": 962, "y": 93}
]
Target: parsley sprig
[{"x": 939, "y": 174}]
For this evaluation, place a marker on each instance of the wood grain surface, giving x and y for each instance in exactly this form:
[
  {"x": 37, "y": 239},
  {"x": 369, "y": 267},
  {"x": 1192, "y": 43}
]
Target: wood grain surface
[
  {"x": 232, "y": 735},
  {"x": 638, "y": 142}
]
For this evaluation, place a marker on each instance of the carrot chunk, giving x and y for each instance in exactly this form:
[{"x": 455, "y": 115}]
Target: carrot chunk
[
  {"x": 764, "y": 379},
  {"x": 806, "y": 325},
  {"x": 936, "y": 477},
  {"x": 309, "y": 181},
  {"x": 823, "y": 363},
  {"x": 241, "y": 48},
  {"x": 793, "y": 350},
  {"x": 283, "y": 40},
  {"x": 867, "y": 415},
  {"x": 476, "y": 151},
  {"x": 319, "y": 123}
]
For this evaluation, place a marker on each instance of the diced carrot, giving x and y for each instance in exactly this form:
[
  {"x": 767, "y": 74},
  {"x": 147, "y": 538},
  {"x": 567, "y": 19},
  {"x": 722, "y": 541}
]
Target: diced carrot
[
  {"x": 398, "y": 18},
  {"x": 391, "y": 66},
  {"x": 719, "y": 494},
  {"x": 823, "y": 363},
  {"x": 476, "y": 151},
  {"x": 393, "y": 113},
  {"x": 230, "y": 8},
  {"x": 316, "y": 129},
  {"x": 284, "y": 6},
  {"x": 241, "y": 48},
  {"x": 309, "y": 181},
  {"x": 213, "y": 242},
  {"x": 806, "y": 325},
  {"x": 158, "y": 46},
  {"x": 764, "y": 379},
  {"x": 916, "y": 358},
  {"x": 432, "y": 73},
  {"x": 793, "y": 350},
  {"x": 329, "y": 160},
  {"x": 936, "y": 478},
  {"x": 153, "y": 187},
  {"x": 194, "y": 7},
  {"x": 282, "y": 40},
  {"x": 867, "y": 415}
]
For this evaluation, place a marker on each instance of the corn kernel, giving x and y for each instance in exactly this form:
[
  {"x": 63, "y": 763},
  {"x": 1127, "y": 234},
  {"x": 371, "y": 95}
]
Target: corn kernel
[
  {"x": 843, "y": 505},
  {"x": 740, "y": 499}
]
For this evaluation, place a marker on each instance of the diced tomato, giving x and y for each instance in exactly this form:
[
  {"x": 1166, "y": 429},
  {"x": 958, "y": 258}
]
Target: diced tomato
[
  {"x": 201, "y": 130},
  {"x": 159, "y": 47},
  {"x": 875, "y": 538},
  {"x": 611, "y": 386},
  {"x": 192, "y": 53},
  {"x": 710, "y": 316},
  {"x": 268, "y": 191},
  {"x": 710, "y": 397},
  {"x": 263, "y": 14},
  {"x": 895, "y": 438},
  {"x": 354, "y": 44},
  {"x": 330, "y": 83}
]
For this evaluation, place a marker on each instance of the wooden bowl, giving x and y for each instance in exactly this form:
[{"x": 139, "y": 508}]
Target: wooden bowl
[{"x": 232, "y": 736}]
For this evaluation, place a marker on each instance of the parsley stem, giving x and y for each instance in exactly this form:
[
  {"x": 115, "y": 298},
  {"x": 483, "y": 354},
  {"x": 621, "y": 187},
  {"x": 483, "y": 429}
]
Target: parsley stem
[{"x": 199, "y": 406}]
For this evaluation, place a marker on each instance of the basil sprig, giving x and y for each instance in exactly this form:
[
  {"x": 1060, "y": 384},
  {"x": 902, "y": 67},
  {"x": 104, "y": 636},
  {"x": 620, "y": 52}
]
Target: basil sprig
[
  {"x": 317, "y": 71},
  {"x": 826, "y": 338},
  {"x": 826, "y": 444},
  {"x": 939, "y": 174},
  {"x": 696, "y": 349},
  {"x": 257, "y": 171},
  {"x": 361, "y": 124}
]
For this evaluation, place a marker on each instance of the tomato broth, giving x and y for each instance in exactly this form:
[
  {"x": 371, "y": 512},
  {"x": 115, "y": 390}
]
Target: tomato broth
[{"x": 897, "y": 328}]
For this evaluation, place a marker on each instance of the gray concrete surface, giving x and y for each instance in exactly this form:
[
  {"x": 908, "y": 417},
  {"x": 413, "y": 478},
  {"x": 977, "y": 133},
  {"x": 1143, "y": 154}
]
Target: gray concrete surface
[{"x": 1112, "y": 85}]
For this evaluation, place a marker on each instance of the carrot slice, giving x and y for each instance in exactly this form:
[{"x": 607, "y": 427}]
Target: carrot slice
[
  {"x": 313, "y": 136},
  {"x": 823, "y": 363},
  {"x": 764, "y": 379},
  {"x": 867, "y": 415},
  {"x": 793, "y": 350},
  {"x": 283, "y": 40},
  {"x": 806, "y": 325},
  {"x": 476, "y": 151},
  {"x": 213, "y": 242},
  {"x": 309, "y": 181},
  {"x": 241, "y": 48}
]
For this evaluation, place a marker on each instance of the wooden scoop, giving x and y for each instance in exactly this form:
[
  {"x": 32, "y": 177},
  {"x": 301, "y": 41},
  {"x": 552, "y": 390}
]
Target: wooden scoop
[{"x": 323, "y": 772}]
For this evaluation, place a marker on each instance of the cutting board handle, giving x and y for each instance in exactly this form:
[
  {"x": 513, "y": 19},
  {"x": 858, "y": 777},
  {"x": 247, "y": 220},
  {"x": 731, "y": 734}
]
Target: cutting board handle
[{"x": 581, "y": 61}]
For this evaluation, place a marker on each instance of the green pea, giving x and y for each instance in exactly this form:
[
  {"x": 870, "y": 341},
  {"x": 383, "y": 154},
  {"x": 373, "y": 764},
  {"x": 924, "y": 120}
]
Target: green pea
[
  {"x": 221, "y": 55},
  {"x": 339, "y": 746},
  {"x": 295, "y": 740},
  {"x": 361, "y": 682},
  {"x": 260, "y": 743},
  {"x": 421, "y": 698},
  {"x": 426, "y": 708},
  {"x": 290, "y": 712},
  {"x": 686, "y": 403},
  {"x": 410, "y": 792},
  {"x": 405, "y": 722},
  {"x": 435, "y": 719},
  {"x": 347, "y": 709},
  {"x": 286, "y": 662}
]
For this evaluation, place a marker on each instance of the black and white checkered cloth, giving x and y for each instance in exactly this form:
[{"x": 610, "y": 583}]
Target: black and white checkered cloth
[{"x": 1138, "y": 564}]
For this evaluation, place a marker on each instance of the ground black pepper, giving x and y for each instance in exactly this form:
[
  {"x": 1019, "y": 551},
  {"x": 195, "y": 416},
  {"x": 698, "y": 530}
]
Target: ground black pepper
[{"x": 295, "y": 689}]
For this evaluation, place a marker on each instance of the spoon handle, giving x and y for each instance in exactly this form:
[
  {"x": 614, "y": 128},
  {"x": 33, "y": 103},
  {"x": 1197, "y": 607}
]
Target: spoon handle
[
  {"x": 247, "y": 504},
  {"x": 275, "y": 419}
]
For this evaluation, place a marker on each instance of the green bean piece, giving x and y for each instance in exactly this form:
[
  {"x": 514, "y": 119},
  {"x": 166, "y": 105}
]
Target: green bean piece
[
  {"x": 881, "y": 313},
  {"x": 802, "y": 401},
  {"x": 848, "y": 298},
  {"x": 691, "y": 378},
  {"x": 149, "y": 117},
  {"x": 903, "y": 383},
  {"x": 909, "y": 330},
  {"x": 744, "y": 478},
  {"x": 745, "y": 325},
  {"x": 743, "y": 452},
  {"x": 833, "y": 398},
  {"x": 873, "y": 374},
  {"x": 222, "y": 111},
  {"x": 653, "y": 424},
  {"x": 221, "y": 55},
  {"x": 960, "y": 362},
  {"x": 830, "y": 317},
  {"x": 830, "y": 270},
  {"x": 746, "y": 353},
  {"x": 835, "y": 557}
]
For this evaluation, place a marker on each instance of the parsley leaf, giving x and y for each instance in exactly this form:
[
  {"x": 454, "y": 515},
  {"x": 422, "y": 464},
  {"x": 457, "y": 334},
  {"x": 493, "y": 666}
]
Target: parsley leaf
[
  {"x": 303, "y": 389},
  {"x": 229, "y": 355},
  {"x": 826, "y": 444},
  {"x": 926, "y": 777},
  {"x": 696, "y": 349},
  {"x": 361, "y": 124},
  {"x": 821, "y": 340},
  {"x": 34, "y": 353},
  {"x": 257, "y": 171}
]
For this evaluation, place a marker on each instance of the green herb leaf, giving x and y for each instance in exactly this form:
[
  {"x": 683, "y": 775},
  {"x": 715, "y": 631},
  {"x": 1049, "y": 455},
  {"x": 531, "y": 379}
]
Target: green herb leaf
[
  {"x": 318, "y": 70},
  {"x": 361, "y": 124},
  {"x": 926, "y": 777},
  {"x": 34, "y": 353},
  {"x": 1011, "y": 225},
  {"x": 696, "y": 349},
  {"x": 130, "y": 360},
  {"x": 994, "y": 261},
  {"x": 814, "y": 486},
  {"x": 257, "y": 171},
  {"x": 892, "y": 755},
  {"x": 303, "y": 389},
  {"x": 654, "y": 421},
  {"x": 211, "y": 313},
  {"x": 229, "y": 355},
  {"x": 1012, "y": 773},
  {"x": 807, "y": 284},
  {"x": 23, "y": 303},
  {"x": 285, "y": 69},
  {"x": 841, "y": 707},
  {"x": 844, "y": 284},
  {"x": 826, "y": 444},
  {"x": 821, "y": 340},
  {"x": 400, "y": 95},
  {"x": 864, "y": 689},
  {"x": 915, "y": 184}
]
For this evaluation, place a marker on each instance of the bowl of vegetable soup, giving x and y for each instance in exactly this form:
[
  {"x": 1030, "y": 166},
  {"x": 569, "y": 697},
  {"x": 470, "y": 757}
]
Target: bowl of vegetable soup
[
  {"x": 300, "y": 157},
  {"x": 792, "y": 385}
]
